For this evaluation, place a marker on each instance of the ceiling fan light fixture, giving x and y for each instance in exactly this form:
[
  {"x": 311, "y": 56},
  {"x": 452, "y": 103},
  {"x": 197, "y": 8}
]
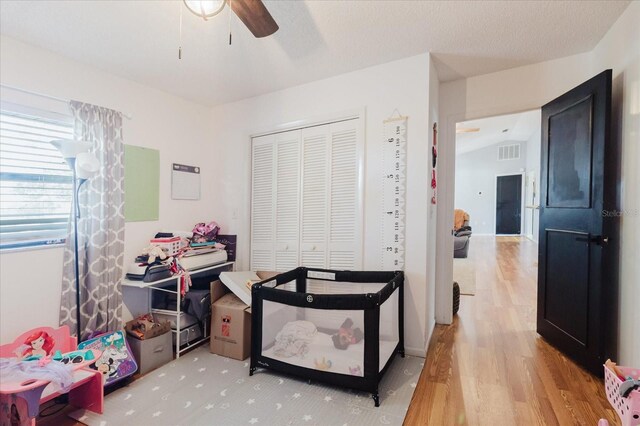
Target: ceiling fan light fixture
[{"x": 205, "y": 9}]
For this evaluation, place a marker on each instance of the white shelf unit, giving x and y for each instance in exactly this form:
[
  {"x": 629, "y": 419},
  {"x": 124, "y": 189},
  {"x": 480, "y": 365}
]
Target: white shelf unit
[{"x": 171, "y": 285}]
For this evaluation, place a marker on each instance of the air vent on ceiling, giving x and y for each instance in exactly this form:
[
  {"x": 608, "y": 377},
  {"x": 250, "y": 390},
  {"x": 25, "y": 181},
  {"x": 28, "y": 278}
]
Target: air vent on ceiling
[{"x": 509, "y": 152}]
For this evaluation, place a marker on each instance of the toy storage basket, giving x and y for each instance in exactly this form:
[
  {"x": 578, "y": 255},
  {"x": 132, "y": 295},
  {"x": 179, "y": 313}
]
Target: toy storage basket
[
  {"x": 171, "y": 246},
  {"x": 628, "y": 409}
]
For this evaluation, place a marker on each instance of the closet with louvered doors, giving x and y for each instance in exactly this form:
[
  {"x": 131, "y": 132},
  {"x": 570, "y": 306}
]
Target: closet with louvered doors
[{"x": 306, "y": 187}]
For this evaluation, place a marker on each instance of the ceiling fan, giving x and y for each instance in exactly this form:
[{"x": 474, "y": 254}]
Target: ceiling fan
[{"x": 252, "y": 13}]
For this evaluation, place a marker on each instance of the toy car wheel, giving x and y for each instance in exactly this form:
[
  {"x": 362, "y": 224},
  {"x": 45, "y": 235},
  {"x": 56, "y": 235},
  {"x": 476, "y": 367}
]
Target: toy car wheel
[{"x": 456, "y": 297}]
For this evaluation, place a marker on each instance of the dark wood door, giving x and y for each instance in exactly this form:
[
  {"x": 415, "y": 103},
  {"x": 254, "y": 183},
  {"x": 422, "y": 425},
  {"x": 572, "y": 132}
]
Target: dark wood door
[
  {"x": 508, "y": 204},
  {"x": 576, "y": 287}
]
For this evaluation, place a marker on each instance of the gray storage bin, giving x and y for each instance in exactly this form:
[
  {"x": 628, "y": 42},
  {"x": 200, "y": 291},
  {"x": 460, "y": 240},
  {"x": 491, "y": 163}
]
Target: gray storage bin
[
  {"x": 185, "y": 320},
  {"x": 188, "y": 334},
  {"x": 151, "y": 353}
]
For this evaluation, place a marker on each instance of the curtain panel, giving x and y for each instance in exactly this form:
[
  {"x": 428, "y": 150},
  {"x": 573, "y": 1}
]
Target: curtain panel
[{"x": 100, "y": 227}]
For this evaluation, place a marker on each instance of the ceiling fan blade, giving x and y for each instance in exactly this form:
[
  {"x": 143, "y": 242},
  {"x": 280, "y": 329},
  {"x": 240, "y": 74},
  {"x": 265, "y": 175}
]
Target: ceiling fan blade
[{"x": 255, "y": 16}]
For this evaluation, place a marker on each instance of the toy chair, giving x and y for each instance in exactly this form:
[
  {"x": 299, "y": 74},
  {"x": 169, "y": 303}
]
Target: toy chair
[{"x": 86, "y": 390}]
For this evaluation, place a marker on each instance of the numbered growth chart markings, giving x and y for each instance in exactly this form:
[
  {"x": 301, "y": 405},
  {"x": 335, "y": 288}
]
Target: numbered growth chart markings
[{"x": 394, "y": 165}]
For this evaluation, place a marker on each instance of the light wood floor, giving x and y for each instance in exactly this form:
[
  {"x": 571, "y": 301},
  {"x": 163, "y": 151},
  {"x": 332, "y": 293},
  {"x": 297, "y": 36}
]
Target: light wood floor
[{"x": 490, "y": 367}]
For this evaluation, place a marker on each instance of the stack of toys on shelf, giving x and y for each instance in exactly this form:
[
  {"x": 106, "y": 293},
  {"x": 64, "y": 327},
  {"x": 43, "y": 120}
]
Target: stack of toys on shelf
[{"x": 171, "y": 253}]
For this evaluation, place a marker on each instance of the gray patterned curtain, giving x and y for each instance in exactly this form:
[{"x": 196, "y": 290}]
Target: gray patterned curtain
[{"x": 100, "y": 227}]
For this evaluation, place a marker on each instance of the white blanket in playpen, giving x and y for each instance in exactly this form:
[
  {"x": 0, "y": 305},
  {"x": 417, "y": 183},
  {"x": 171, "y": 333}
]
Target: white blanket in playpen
[{"x": 316, "y": 351}]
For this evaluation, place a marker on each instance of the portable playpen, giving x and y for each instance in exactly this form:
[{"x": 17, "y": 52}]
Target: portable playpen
[{"x": 338, "y": 327}]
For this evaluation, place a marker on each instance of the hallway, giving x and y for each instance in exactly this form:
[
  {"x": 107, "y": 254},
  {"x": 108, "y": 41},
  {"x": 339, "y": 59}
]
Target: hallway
[{"x": 490, "y": 367}]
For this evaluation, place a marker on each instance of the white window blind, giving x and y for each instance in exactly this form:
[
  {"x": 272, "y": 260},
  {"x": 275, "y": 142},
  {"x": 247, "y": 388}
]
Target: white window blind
[{"x": 35, "y": 182}]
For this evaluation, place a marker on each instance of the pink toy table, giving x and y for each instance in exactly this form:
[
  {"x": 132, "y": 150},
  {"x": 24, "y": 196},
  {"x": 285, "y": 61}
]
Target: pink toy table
[{"x": 87, "y": 390}]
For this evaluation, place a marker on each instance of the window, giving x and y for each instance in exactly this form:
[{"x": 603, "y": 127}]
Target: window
[{"x": 35, "y": 181}]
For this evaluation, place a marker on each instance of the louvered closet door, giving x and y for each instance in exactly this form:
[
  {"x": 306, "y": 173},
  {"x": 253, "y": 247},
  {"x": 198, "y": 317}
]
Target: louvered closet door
[
  {"x": 345, "y": 218},
  {"x": 287, "y": 220},
  {"x": 263, "y": 203},
  {"x": 314, "y": 206},
  {"x": 306, "y": 198}
]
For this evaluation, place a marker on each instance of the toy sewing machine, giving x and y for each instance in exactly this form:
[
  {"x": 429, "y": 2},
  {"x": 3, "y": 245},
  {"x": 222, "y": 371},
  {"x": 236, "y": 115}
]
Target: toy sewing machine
[{"x": 20, "y": 399}]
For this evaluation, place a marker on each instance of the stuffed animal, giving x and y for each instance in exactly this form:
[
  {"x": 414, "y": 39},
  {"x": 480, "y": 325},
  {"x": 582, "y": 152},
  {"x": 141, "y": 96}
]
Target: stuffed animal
[
  {"x": 154, "y": 253},
  {"x": 347, "y": 335}
]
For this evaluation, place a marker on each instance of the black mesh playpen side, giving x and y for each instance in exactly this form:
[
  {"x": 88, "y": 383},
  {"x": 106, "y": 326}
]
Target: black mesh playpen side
[{"x": 291, "y": 289}]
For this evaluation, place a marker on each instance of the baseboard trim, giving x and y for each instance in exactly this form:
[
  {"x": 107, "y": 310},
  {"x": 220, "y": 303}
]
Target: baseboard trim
[{"x": 422, "y": 353}]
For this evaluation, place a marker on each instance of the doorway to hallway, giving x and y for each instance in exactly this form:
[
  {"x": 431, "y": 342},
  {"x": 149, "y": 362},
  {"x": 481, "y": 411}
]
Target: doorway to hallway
[
  {"x": 495, "y": 156},
  {"x": 509, "y": 204}
]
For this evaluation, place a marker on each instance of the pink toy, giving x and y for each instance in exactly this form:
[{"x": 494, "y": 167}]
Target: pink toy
[
  {"x": 205, "y": 232},
  {"x": 627, "y": 407},
  {"x": 86, "y": 390}
]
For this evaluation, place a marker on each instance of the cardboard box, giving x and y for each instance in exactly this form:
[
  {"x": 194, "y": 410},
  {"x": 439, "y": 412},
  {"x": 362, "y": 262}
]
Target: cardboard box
[
  {"x": 265, "y": 275},
  {"x": 230, "y": 323},
  {"x": 163, "y": 328},
  {"x": 236, "y": 282},
  {"x": 230, "y": 316}
]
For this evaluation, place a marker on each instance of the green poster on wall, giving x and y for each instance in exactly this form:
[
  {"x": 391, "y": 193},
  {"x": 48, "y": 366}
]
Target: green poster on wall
[{"x": 141, "y": 183}]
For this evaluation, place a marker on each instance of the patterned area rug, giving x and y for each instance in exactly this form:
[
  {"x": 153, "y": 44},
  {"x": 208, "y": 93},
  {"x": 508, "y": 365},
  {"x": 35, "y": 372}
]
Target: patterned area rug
[{"x": 201, "y": 388}]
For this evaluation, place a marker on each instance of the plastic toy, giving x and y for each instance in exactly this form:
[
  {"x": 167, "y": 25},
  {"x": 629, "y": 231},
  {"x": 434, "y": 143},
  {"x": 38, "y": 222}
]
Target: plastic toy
[
  {"x": 20, "y": 400},
  {"x": 355, "y": 371},
  {"x": 325, "y": 364},
  {"x": 622, "y": 386},
  {"x": 116, "y": 361}
]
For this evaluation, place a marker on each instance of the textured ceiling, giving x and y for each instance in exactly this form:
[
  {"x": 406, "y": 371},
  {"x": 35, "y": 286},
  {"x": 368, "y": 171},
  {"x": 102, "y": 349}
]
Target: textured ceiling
[
  {"x": 317, "y": 39},
  {"x": 519, "y": 128}
]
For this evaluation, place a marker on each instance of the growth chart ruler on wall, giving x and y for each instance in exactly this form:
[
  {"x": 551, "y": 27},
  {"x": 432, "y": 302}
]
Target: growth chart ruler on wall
[{"x": 394, "y": 165}]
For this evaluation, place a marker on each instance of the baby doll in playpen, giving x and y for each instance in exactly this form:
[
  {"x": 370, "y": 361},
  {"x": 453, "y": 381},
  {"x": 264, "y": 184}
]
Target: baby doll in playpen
[{"x": 347, "y": 335}]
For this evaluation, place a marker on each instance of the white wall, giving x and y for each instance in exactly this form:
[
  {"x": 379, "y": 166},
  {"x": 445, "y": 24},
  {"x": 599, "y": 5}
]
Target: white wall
[
  {"x": 30, "y": 280},
  {"x": 619, "y": 49},
  {"x": 434, "y": 87},
  {"x": 476, "y": 173},
  {"x": 532, "y": 86},
  {"x": 402, "y": 84},
  {"x": 532, "y": 198},
  {"x": 219, "y": 142}
]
